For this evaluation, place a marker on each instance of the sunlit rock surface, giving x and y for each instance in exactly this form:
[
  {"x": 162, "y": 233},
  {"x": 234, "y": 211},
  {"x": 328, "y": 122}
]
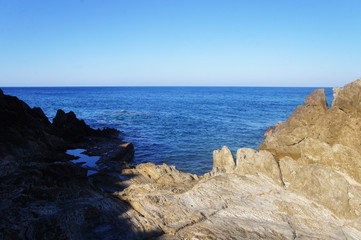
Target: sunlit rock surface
[
  {"x": 304, "y": 183},
  {"x": 316, "y": 134},
  {"x": 317, "y": 203}
]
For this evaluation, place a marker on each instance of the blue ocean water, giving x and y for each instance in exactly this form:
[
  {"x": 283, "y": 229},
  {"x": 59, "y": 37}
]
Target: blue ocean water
[{"x": 179, "y": 126}]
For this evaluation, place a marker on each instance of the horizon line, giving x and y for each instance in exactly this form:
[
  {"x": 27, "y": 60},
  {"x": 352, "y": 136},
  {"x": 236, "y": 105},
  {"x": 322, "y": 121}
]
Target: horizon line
[{"x": 165, "y": 86}]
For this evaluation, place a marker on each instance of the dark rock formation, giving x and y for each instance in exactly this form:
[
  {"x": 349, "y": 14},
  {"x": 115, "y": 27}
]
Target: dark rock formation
[
  {"x": 69, "y": 127},
  {"x": 24, "y": 132},
  {"x": 43, "y": 195}
]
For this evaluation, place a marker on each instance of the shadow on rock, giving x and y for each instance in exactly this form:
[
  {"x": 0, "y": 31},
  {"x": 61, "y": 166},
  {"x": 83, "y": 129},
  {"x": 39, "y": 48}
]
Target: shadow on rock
[{"x": 43, "y": 195}]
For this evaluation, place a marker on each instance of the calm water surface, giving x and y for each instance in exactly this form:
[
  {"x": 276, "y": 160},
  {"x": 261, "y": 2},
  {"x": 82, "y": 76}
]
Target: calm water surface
[{"x": 179, "y": 126}]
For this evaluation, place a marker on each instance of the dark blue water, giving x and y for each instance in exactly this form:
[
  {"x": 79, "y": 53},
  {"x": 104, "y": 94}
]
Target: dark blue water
[{"x": 179, "y": 126}]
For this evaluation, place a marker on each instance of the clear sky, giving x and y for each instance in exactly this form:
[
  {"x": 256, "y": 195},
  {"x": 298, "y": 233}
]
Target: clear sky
[{"x": 181, "y": 43}]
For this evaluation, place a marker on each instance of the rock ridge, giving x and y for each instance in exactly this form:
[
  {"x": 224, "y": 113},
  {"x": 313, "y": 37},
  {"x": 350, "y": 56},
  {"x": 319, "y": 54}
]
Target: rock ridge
[{"x": 316, "y": 134}]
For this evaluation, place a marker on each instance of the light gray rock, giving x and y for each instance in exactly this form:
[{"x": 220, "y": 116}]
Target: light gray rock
[
  {"x": 289, "y": 168},
  {"x": 223, "y": 161},
  {"x": 231, "y": 206},
  {"x": 250, "y": 161},
  {"x": 336, "y": 91},
  {"x": 341, "y": 158},
  {"x": 323, "y": 185}
]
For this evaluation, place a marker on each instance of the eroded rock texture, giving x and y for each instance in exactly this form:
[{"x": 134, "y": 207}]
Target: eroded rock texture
[
  {"x": 316, "y": 134},
  {"x": 304, "y": 183},
  {"x": 298, "y": 202}
]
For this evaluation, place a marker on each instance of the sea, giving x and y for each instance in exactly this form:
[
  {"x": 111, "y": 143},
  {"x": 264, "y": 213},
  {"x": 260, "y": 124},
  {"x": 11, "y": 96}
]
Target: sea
[{"x": 179, "y": 126}]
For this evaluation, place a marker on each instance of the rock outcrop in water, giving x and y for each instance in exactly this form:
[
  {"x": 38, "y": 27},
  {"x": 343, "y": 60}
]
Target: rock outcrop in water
[{"x": 303, "y": 183}]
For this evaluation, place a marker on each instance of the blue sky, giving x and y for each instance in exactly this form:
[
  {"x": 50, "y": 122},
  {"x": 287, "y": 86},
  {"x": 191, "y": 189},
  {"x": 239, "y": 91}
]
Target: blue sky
[{"x": 180, "y": 43}]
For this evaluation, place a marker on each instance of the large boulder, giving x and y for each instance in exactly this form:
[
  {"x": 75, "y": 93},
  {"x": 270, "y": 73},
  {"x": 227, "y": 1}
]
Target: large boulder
[
  {"x": 348, "y": 98},
  {"x": 70, "y": 128},
  {"x": 314, "y": 133},
  {"x": 223, "y": 161},
  {"x": 165, "y": 174},
  {"x": 340, "y": 157},
  {"x": 249, "y": 161},
  {"x": 323, "y": 185},
  {"x": 287, "y": 138}
]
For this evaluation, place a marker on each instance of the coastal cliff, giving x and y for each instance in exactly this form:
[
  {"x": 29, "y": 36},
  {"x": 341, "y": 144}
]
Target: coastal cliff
[{"x": 303, "y": 182}]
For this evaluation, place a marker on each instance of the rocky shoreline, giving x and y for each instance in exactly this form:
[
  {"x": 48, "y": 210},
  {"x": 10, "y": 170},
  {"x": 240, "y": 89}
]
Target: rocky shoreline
[
  {"x": 44, "y": 195},
  {"x": 304, "y": 182}
]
